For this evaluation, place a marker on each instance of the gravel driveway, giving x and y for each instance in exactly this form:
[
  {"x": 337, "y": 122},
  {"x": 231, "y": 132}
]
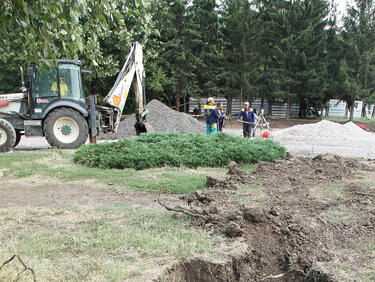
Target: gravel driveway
[
  {"x": 307, "y": 146},
  {"x": 32, "y": 143}
]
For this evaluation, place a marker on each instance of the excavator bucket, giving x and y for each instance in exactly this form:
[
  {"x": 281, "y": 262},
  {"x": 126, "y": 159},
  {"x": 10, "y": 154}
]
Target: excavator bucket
[{"x": 143, "y": 127}]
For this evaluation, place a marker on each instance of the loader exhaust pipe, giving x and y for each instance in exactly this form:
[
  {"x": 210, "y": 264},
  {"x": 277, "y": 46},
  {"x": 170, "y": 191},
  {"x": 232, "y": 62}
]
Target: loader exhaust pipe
[{"x": 22, "y": 88}]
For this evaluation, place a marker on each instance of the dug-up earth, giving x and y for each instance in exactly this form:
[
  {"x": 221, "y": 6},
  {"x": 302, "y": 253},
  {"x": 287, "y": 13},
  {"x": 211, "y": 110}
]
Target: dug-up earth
[{"x": 300, "y": 219}]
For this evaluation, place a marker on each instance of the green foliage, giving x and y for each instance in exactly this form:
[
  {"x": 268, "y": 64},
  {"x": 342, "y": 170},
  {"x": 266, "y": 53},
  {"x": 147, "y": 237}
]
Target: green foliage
[
  {"x": 292, "y": 43},
  {"x": 357, "y": 69},
  {"x": 172, "y": 64},
  {"x": 10, "y": 79},
  {"x": 278, "y": 50},
  {"x": 96, "y": 32},
  {"x": 207, "y": 45},
  {"x": 175, "y": 150},
  {"x": 239, "y": 58}
]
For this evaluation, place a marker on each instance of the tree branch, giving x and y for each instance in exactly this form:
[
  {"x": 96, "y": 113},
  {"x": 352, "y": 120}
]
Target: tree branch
[
  {"x": 179, "y": 209},
  {"x": 25, "y": 267}
]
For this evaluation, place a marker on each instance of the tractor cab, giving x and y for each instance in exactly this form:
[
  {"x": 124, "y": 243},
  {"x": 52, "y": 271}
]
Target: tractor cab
[{"x": 49, "y": 85}]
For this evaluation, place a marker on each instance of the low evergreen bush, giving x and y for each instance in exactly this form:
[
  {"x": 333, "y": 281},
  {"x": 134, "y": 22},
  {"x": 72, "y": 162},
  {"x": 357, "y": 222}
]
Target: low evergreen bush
[{"x": 177, "y": 150}]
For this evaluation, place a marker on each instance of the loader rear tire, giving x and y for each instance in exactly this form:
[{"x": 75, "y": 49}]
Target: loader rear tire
[
  {"x": 65, "y": 128},
  {"x": 7, "y": 136}
]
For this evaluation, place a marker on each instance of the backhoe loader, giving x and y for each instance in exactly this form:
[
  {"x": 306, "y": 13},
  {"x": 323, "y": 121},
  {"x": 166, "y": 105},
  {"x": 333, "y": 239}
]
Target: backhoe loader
[{"x": 54, "y": 105}]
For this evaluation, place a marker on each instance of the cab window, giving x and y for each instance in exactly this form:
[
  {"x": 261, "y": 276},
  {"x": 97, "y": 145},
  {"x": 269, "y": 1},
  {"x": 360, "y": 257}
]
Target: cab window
[
  {"x": 70, "y": 82},
  {"x": 44, "y": 79}
]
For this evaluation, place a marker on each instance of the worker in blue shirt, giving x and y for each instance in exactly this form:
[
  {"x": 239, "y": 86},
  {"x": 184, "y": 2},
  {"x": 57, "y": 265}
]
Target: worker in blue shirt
[
  {"x": 222, "y": 116},
  {"x": 248, "y": 119},
  {"x": 211, "y": 114}
]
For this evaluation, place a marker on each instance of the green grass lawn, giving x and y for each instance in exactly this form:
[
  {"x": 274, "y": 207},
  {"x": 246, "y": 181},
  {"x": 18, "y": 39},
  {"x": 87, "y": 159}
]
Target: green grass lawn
[
  {"x": 98, "y": 243},
  {"x": 95, "y": 241},
  {"x": 57, "y": 164}
]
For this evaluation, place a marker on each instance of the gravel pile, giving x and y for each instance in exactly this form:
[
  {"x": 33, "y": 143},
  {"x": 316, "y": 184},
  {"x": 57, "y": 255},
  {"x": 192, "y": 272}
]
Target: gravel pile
[
  {"x": 326, "y": 129},
  {"x": 162, "y": 119}
]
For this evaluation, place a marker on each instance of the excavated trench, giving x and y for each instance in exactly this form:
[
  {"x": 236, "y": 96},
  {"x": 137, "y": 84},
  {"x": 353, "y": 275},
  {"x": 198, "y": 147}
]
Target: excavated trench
[
  {"x": 197, "y": 270},
  {"x": 284, "y": 233}
]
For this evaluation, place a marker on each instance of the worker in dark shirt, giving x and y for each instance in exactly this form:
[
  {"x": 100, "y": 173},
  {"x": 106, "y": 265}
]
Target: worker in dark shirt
[
  {"x": 222, "y": 116},
  {"x": 248, "y": 119}
]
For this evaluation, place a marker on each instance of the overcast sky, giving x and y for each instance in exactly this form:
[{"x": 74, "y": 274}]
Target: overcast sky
[
  {"x": 341, "y": 9},
  {"x": 341, "y": 6}
]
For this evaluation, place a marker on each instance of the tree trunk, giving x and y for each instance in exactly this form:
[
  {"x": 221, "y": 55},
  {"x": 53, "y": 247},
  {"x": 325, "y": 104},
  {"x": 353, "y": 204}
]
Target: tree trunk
[
  {"x": 322, "y": 107},
  {"x": 178, "y": 101},
  {"x": 261, "y": 103},
  {"x": 288, "y": 107},
  {"x": 229, "y": 106},
  {"x": 373, "y": 112},
  {"x": 327, "y": 109},
  {"x": 185, "y": 108},
  {"x": 364, "y": 105},
  {"x": 169, "y": 101},
  {"x": 302, "y": 108},
  {"x": 241, "y": 98},
  {"x": 351, "y": 111},
  {"x": 270, "y": 102}
]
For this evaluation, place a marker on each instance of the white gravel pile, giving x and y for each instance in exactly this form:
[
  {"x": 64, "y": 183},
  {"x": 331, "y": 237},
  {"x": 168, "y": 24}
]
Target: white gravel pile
[
  {"x": 326, "y": 129},
  {"x": 162, "y": 119},
  {"x": 323, "y": 137}
]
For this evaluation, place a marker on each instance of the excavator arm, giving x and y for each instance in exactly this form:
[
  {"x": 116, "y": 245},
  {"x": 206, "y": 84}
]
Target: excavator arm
[{"x": 132, "y": 71}]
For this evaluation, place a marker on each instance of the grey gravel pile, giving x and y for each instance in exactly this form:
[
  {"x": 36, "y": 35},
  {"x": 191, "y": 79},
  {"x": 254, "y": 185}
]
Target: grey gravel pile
[{"x": 162, "y": 119}]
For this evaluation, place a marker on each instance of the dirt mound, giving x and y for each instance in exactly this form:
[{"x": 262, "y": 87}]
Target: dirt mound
[
  {"x": 290, "y": 230},
  {"x": 162, "y": 119},
  {"x": 326, "y": 129},
  {"x": 304, "y": 171}
]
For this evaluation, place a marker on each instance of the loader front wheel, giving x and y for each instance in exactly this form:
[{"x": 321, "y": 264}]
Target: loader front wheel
[
  {"x": 65, "y": 128},
  {"x": 7, "y": 136}
]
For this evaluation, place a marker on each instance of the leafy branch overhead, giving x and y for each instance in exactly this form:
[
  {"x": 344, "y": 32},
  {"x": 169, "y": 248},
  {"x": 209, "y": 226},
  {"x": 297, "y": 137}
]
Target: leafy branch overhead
[
  {"x": 71, "y": 29},
  {"x": 276, "y": 50}
]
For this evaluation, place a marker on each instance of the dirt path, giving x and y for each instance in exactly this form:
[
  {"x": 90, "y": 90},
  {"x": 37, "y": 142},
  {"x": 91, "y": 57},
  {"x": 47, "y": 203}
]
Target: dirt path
[{"x": 15, "y": 192}]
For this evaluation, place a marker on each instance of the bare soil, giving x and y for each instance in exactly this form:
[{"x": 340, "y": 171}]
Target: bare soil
[
  {"x": 17, "y": 193},
  {"x": 370, "y": 126},
  {"x": 296, "y": 227}
]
